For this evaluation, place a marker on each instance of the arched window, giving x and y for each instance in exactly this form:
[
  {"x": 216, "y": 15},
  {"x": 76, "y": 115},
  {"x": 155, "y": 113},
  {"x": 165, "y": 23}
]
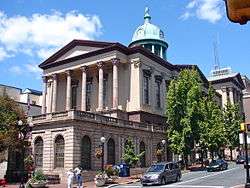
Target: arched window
[
  {"x": 86, "y": 153},
  {"x": 59, "y": 151},
  {"x": 111, "y": 151},
  {"x": 143, "y": 158},
  {"x": 38, "y": 152}
]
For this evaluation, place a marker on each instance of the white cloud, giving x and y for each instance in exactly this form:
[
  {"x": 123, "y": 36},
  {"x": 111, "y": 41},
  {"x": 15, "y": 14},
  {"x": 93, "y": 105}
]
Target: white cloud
[
  {"x": 41, "y": 34},
  {"x": 33, "y": 68},
  {"x": 209, "y": 10},
  {"x": 3, "y": 54},
  {"x": 15, "y": 70}
]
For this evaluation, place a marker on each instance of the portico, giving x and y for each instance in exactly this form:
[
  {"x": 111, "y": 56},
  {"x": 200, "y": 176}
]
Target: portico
[{"x": 97, "y": 70}]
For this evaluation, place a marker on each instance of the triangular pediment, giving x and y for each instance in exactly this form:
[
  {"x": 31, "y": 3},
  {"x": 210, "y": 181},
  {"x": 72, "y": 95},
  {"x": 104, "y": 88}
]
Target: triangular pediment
[{"x": 76, "y": 48}]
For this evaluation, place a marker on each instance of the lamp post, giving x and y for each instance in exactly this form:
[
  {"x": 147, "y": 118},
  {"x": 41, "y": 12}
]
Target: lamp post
[
  {"x": 163, "y": 146},
  {"x": 102, "y": 139},
  {"x": 244, "y": 128}
]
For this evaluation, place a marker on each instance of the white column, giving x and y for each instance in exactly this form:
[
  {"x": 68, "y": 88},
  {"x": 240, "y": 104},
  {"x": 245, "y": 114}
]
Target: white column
[
  {"x": 115, "y": 63},
  {"x": 68, "y": 90},
  {"x": 100, "y": 89},
  {"x": 44, "y": 94},
  {"x": 231, "y": 95},
  {"x": 84, "y": 78},
  {"x": 161, "y": 52},
  {"x": 153, "y": 48},
  {"x": 54, "y": 93}
]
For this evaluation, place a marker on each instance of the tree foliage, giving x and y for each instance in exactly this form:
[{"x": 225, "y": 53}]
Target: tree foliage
[
  {"x": 213, "y": 134},
  {"x": 183, "y": 111},
  {"x": 10, "y": 113},
  {"x": 232, "y": 119},
  {"x": 130, "y": 157}
]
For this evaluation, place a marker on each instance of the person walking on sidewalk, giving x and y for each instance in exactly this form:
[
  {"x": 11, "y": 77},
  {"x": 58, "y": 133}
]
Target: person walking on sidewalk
[
  {"x": 79, "y": 178},
  {"x": 70, "y": 176}
]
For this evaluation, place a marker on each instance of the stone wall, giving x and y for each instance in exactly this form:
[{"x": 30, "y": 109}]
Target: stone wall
[{"x": 73, "y": 131}]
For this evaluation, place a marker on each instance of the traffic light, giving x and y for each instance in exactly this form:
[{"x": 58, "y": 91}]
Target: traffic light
[
  {"x": 242, "y": 127},
  {"x": 238, "y": 11}
]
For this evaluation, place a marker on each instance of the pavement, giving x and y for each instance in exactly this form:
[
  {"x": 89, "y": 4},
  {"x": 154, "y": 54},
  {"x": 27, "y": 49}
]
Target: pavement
[{"x": 234, "y": 177}]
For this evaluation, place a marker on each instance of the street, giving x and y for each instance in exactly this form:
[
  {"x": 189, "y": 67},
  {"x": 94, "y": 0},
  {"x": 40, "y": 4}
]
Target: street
[{"x": 235, "y": 175}]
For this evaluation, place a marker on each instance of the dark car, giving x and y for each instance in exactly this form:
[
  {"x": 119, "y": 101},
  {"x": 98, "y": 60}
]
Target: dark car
[
  {"x": 217, "y": 165},
  {"x": 161, "y": 173},
  {"x": 240, "y": 160}
]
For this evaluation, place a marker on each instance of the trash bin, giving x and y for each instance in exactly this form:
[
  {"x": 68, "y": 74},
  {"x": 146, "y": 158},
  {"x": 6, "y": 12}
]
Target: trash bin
[{"x": 124, "y": 170}]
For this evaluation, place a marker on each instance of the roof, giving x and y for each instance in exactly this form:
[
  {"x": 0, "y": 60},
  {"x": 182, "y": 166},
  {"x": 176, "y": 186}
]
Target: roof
[
  {"x": 228, "y": 78},
  {"x": 32, "y": 91},
  {"x": 50, "y": 62},
  {"x": 148, "y": 30},
  {"x": 73, "y": 44},
  {"x": 11, "y": 87}
]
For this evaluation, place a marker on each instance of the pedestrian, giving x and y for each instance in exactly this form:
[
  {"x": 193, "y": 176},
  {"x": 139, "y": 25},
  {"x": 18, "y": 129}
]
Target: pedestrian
[
  {"x": 70, "y": 176},
  {"x": 79, "y": 178}
]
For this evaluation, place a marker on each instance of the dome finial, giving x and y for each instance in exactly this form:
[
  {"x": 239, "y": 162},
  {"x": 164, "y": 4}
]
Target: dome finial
[{"x": 147, "y": 16}]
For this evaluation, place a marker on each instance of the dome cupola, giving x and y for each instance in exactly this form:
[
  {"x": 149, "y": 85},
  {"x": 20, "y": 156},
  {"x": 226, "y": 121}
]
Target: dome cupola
[{"x": 150, "y": 37}]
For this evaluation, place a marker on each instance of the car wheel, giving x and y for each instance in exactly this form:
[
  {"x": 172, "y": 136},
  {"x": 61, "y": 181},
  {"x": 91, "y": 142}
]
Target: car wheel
[
  {"x": 178, "y": 178},
  {"x": 163, "y": 181}
]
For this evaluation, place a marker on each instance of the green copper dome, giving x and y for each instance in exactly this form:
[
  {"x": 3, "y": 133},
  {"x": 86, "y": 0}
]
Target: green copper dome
[
  {"x": 148, "y": 30},
  {"x": 150, "y": 37}
]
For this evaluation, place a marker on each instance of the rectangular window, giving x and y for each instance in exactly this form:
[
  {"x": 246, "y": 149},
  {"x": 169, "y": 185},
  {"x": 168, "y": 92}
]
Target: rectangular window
[
  {"x": 105, "y": 91},
  {"x": 88, "y": 95},
  {"x": 146, "y": 88},
  {"x": 158, "y": 94},
  {"x": 74, "y": 97},
  {"x": 157, "y": 50}
]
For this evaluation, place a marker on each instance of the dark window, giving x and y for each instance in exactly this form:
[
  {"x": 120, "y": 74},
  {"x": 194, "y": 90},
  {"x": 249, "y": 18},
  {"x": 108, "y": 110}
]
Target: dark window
[
  {"x": 105, "y": 91},
  {"x": 148, "y": 47},
  {"x": 143, "y": 158},
  {"x": 228, "y": 98},
  {"x": 164, "y": 53},
  {"x": 33, "y": 102},
  {"x": 86, "y": 153},
  {"x": 111, "y": 151},
  {"x": 59, "y": 152},
  {"x": 158, "y": 94},
  {"x": 88, "y": 95},
  {"x": 74, "y": 97},
  {"x": 146, "y": 88},
  {"x": 38, "y": 152},
  {"x": 157, "y": 50}
]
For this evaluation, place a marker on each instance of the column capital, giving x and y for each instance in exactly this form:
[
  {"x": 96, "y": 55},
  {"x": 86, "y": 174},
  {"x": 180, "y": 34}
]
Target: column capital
[
  {"x": 68, "y": 72},
  {"x": 83, "y": 68},
  {"x": 54, "y": 76},
  {"x": 44, "y": 78},
  {"x": 100, "y": 64},
  {"x": 115, "y": 61}
]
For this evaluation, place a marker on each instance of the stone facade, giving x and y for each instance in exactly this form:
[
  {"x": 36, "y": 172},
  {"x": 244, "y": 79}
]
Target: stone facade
[
  {"x": 246, "y": 98},
  {"x": 73, "y": 126}
]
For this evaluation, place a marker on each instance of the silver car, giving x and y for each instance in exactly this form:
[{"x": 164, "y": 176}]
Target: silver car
[{"x": 161, "y": 173}]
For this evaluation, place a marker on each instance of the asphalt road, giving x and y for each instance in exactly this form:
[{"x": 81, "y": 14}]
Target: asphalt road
[{"x": 235, "y": 175}]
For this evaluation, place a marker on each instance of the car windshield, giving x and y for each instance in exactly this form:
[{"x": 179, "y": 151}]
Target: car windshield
[{"x": 156, "y": 168}]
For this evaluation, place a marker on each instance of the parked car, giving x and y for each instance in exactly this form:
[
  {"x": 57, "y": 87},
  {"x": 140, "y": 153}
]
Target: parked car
[
  {"x": 161, "y": 173},
  {"x": 240, "y": 160},
  {"x": 217, "y": 165}
]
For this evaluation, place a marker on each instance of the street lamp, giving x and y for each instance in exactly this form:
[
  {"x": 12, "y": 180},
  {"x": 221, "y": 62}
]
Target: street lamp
[
  {"x": 244, "y": 129},
  {"x": 102, "y": 139}
]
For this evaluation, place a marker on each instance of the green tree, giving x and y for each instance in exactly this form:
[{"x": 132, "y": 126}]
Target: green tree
[
  {"x": 130, "y": 157},
  {"x": 183, "y": 112},
  {"x": 10, "y": 113},
  {"x": 232, "y": 119},
  {"x": 212, "y": 130}
]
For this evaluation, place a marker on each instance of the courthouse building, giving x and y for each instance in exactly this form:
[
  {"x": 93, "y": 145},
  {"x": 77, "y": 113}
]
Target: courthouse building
[{"x": 94, "y": 89}]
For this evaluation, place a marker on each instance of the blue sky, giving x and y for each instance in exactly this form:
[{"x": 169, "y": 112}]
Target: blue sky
[{"x": 31, "y": 30}]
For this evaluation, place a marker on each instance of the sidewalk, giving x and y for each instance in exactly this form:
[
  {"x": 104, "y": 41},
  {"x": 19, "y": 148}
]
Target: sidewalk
[{"x": 120, "y": 181}]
